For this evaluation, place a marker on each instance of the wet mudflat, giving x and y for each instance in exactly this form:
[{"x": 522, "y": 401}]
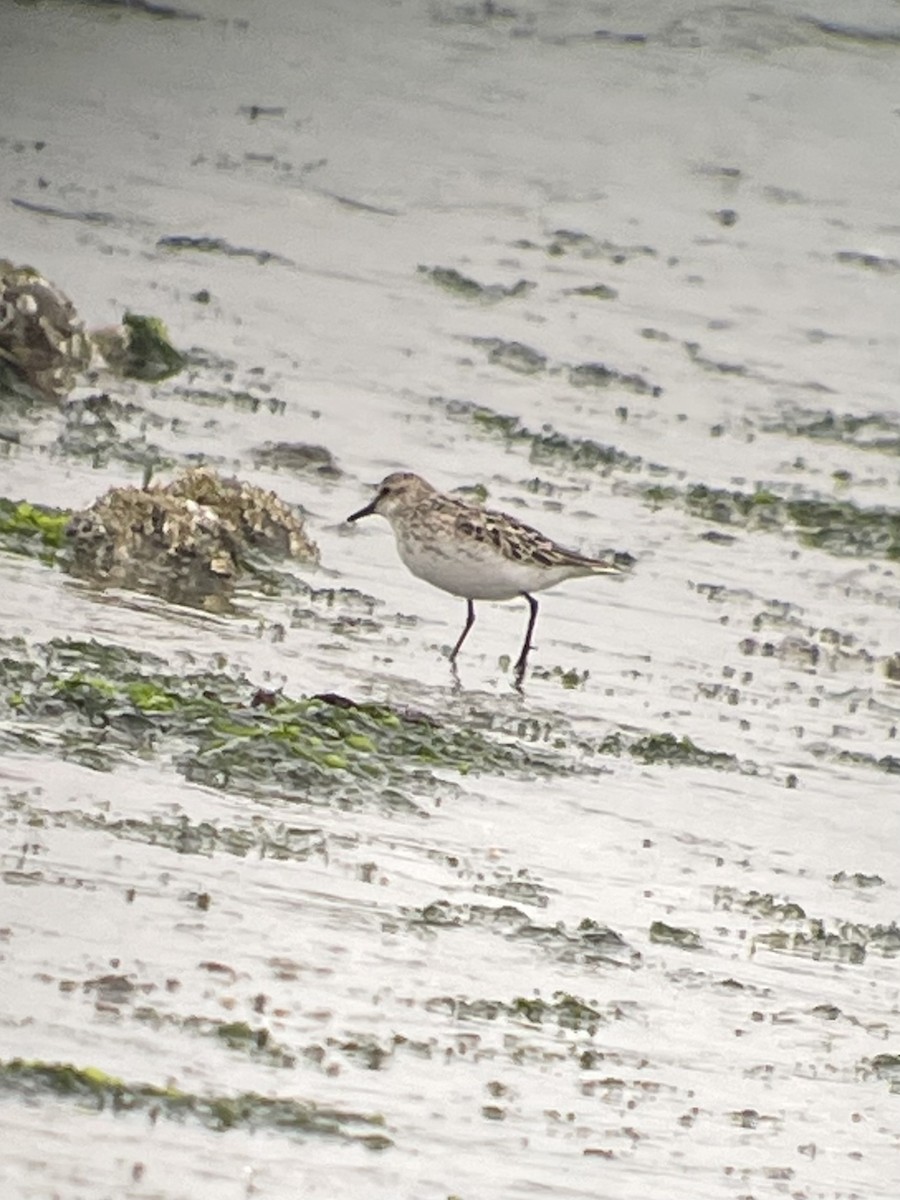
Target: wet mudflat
[{"x": 631, "y": 932}]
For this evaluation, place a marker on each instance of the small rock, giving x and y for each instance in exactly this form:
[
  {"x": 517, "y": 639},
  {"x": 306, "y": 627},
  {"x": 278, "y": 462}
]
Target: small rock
[
  {"x": 43, "y": 343},
  {"x": 187, "y": 541}
]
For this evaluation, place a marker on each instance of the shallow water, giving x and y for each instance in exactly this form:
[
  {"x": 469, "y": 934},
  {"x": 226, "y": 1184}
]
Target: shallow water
[{"x": 393, "y": 938}]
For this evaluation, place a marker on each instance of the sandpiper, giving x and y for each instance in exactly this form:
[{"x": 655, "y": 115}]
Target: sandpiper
[{"x": 473, "y": 552}]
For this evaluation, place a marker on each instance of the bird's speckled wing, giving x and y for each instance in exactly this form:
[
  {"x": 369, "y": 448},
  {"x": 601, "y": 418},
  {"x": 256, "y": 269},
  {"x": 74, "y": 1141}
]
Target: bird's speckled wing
[{"x": 512, "y": 538}]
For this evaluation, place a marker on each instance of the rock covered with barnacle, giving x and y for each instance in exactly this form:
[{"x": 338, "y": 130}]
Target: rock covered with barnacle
[
  {"x": 45, "y": 348},
  {"x": 43, "y": 343},
  {"x": 261, "y": 520},
  {"x": 188, "y": 541}
]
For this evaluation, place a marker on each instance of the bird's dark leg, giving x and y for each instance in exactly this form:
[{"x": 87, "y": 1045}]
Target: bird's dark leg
[
  {"x": 526, "y": 645},
  {"x": 470, "y": 621}
]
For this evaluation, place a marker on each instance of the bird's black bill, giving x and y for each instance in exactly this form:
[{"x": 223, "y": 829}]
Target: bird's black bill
[{"x": 363, "y": 512}]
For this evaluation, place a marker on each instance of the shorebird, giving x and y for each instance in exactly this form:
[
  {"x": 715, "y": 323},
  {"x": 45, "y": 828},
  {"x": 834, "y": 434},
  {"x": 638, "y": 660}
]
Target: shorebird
[{"x": 474, "y": 552}]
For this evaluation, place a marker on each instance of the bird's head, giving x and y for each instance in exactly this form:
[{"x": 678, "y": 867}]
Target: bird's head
[{"x": 401, "y": 491}]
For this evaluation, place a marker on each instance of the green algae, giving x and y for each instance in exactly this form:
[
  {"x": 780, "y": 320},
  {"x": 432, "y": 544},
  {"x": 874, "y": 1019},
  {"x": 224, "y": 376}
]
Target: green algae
[
  {"x": 148, "y": 696},
  {"x": 34, "y": 1080},
  {"x": 671, "y": 750},
  {"x": 837, "y": 526},
  {"x": 359, "y": 740},
  {"x": 102, "y": 429},
  {"x": 470, "y": 289},
  {"x": 868, "y": 262},
  {"x": 517, "y": 889},
  {"x": 674, "y": 935},
  {"x": 217, "y": 245},
  {"x": 514, "y": 356},
  {"x": 832, "y": 941},
  {"x": 596, "y": 291},
  {"x": 238, "y": 1036},
  {"x": 588, "y": 942},
  {"x": 27, "y": 528},
  {"x": 98, "y": 703},
  {"x": 544, "y": 446},
  {"x": 298, "y": 457},
  {"x": 599, "y": 375},
  {"x": 583, "y": 453},
  {"x": 856, "y": 879},
  {"x": 885, "y": 1067},
  {"x": 118, "y": 993},
  {"x": 565, "y": 1010},
  {"x": 278, "y": 840},
  {"x": 873, "y": 431},
  {"x": 150, "y": 355},
  {"x": 758, "y": 904},
  {"x": 715, "y": 365},
  {"x": 221, "y": 396},
  {"x": 889, "y": 763},
  {"x": 575, "y": 242},
  {"x": 797, "y": 933}
]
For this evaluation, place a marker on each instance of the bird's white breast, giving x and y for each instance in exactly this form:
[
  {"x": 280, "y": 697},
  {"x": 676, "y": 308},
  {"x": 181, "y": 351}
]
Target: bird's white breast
[{"x": 474, "y": 570}]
